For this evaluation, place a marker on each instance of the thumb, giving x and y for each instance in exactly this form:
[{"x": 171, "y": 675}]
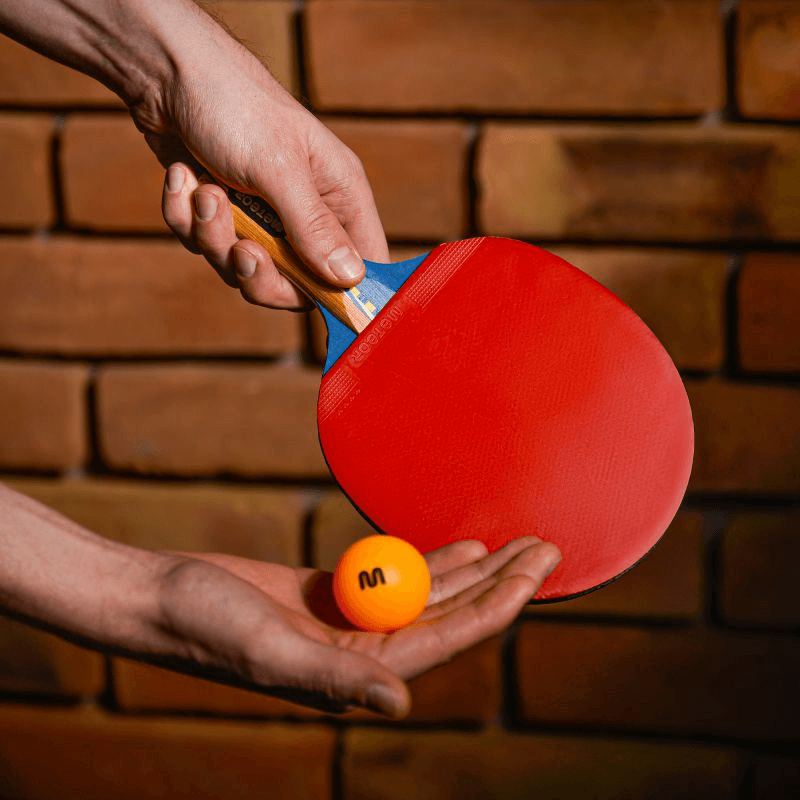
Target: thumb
[
  {"x": 354, "y": 679},
  {"x": 317, "y": 235}
]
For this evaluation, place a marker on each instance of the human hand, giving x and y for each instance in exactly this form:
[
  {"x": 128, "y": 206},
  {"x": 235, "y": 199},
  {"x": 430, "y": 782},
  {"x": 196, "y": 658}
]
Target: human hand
[
  {"x": 225, "y": 112},
  {"x": 276, "y": 629},
  {"x": 201, "y": 98}
]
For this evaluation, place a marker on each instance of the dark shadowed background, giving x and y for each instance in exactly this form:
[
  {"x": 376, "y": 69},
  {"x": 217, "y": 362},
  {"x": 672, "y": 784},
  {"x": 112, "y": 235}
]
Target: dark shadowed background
[{"x": 656, "y": 145}]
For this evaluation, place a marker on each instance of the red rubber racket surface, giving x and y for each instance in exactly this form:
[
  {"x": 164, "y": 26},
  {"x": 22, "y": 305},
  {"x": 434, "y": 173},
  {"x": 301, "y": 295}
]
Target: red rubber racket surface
[{"x": 501, "y": 393}]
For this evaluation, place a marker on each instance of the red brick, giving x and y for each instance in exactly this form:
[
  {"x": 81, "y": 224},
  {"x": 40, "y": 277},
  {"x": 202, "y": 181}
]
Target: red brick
[
  {"x": 44, "y": 412},
  {"x": 662, "y": 183},
  {"x": 466, "y": 689},
  {"x": 89, "y": 297},
  {"x": 32, "y": 661},
  {"x": 317, "y": 336},
  {"x": 141, "y": 687},
  {"x": 102, "y": 156},
  {"x": 776, "y": 779},
  {"x": 768, "y": 80},
  {"x": 205, "y": 420},
  {"x": 93, "y": 755},
  {"x": 393, "y": 765},
  {"x": 335, "y": 525},
  {"x": 252, "y": 522},
  {"x": 769, "y": 313},
  {"x": 25, "y": 170},
  {"x": 679, "y": 294},
  {"x": 667, "y": 583},
  {"x": 747, "y": 438},
  {"x": 530, "y": 56},
  {"x": 27, "y": 78},
  {"x": 399, "y": 252},
  {"x": 758, "y": 563},
  {"x": 267, "y": 29},
  {"x": 688, "y": 682},
  {"x": 422, "y": 197}
]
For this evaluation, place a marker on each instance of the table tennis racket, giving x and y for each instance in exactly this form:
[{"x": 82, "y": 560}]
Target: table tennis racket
[{"x": 490, "y": 390}]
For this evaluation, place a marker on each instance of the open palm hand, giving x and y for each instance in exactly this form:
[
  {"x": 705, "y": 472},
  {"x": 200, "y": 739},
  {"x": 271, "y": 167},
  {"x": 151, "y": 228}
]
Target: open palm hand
[{"x": 276, "y": 629}]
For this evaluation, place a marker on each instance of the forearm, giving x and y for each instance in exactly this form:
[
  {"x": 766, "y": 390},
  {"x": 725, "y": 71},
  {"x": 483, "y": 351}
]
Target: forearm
[
  {"x": 132, "y": 46},
  {"x": 56, "y": 573}
]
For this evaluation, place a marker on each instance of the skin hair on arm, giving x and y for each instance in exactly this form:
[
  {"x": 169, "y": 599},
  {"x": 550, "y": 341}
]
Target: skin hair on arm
[
  {"x": 200, "y": 97},
  {"x": 114, "y": 42},
  {"x": 55, "y": 571},
  {"x": 203, "y": 99}
]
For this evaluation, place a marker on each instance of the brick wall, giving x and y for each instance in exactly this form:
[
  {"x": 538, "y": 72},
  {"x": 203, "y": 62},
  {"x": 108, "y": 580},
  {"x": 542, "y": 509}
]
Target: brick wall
[{"x": 655, "y": 145}]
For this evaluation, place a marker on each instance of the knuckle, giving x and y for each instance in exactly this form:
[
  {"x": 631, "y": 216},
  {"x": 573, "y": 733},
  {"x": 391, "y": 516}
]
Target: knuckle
[
  {"x": 437, "y": 590},
  {"x": 354, "y": 165},
  {"x": 322, "y": 228}
]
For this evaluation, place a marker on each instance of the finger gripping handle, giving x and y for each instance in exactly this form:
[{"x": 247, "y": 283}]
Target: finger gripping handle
[{"x": 255, "y": 219}]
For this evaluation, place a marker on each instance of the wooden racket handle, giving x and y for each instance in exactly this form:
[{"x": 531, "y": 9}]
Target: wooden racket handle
[{"x": 254, "y": 219}]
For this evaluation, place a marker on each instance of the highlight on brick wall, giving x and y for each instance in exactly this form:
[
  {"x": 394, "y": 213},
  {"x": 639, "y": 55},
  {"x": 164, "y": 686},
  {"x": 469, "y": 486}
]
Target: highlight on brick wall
[{"x": 655, "y": 145}]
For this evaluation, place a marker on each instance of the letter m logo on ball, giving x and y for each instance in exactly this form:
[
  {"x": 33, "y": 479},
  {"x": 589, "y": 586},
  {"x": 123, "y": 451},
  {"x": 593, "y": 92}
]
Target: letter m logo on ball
[{"x": 365, "y": 579}]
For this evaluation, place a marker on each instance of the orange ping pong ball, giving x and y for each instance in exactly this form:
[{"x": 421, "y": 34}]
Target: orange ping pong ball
[{"x": 381, "y": 583}]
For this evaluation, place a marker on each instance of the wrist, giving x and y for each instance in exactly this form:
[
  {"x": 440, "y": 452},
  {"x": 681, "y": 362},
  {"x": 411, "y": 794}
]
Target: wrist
[
  {"x": 133, "y": 47},
  {"x": 130, "y": 620},
  {"x": 169, "y": 38}
]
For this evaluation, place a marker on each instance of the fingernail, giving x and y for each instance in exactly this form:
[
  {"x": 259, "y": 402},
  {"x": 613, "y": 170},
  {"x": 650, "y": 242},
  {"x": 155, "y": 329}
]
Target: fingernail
[
  {"x": 554, "y": 559},
  {"x": 205, "y": 204},
  {"x": 381, "y": 699},
  {"x": 175, "y": 178},
  {"x": 245, "y": 263},
  {"x": 345, "y": 264}
]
